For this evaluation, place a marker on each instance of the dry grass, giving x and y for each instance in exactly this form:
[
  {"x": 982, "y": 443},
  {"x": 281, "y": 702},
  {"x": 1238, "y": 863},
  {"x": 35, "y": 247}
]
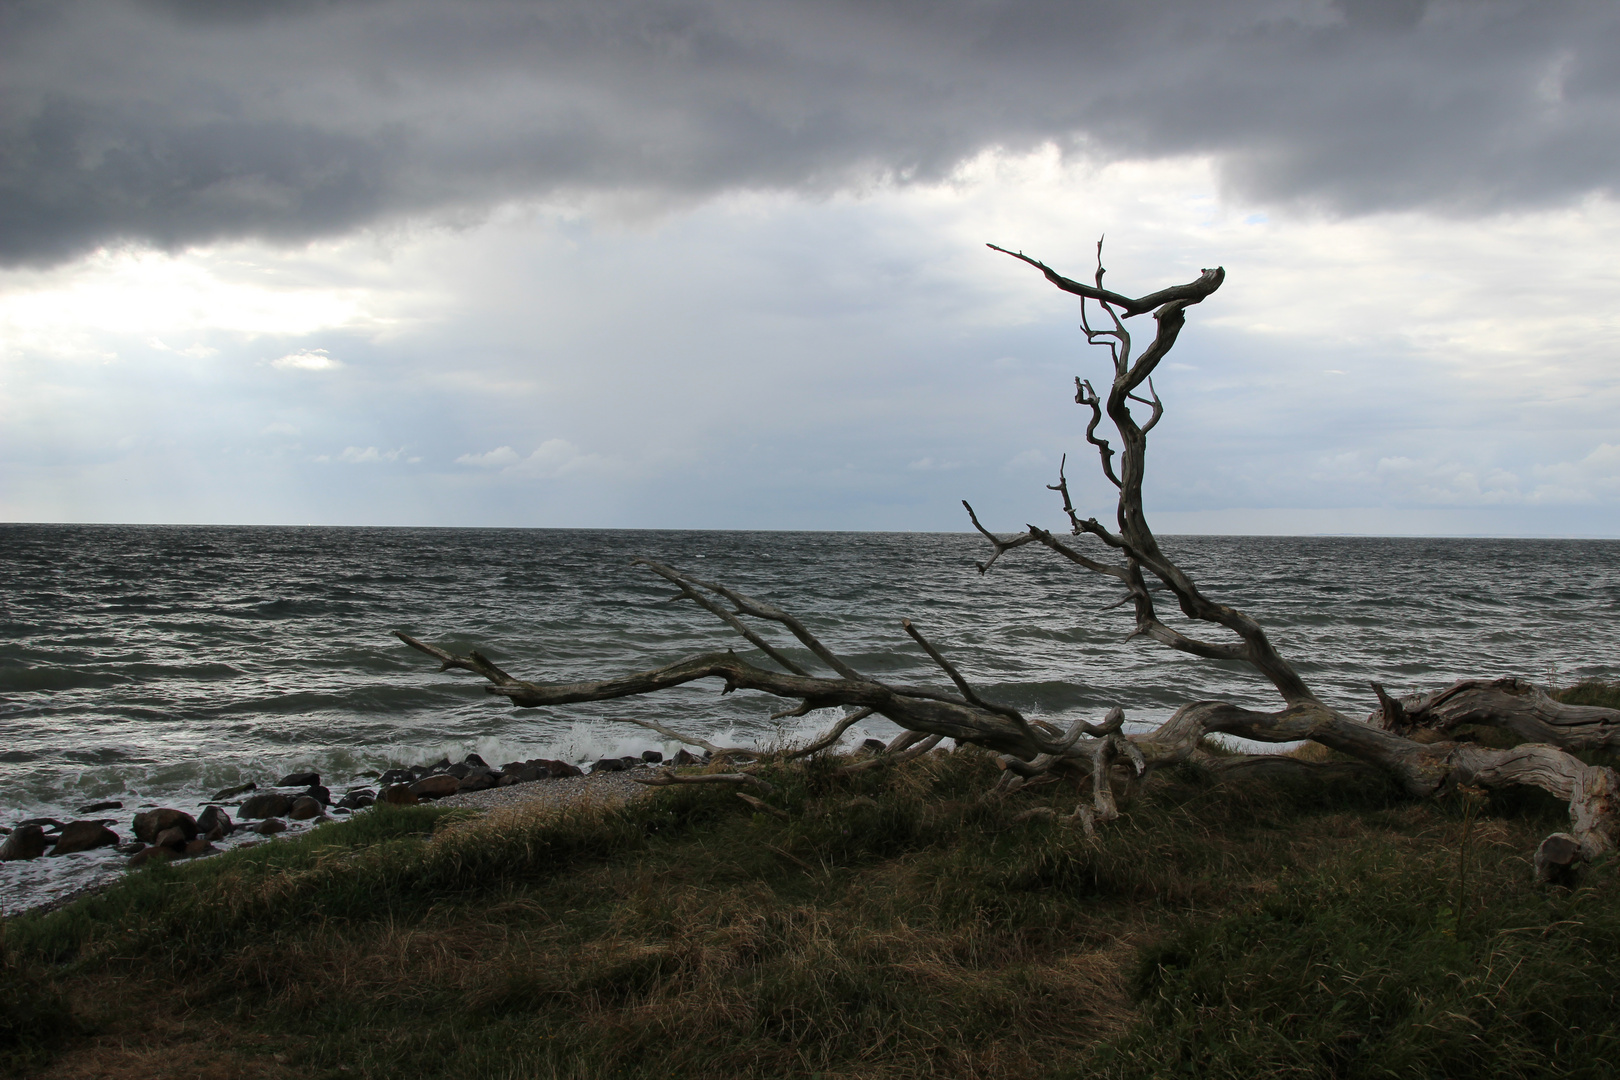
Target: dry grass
[
  {"x": 134, "y": 1028},
  {"x": 897, "y": 924}
]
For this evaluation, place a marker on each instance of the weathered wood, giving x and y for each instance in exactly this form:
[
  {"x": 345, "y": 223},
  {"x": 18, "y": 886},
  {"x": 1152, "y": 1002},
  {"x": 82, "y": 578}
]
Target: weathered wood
[
  {"x": 1557, "y": 858},
  {"x": 1289, "y": 773},
  {"x": 1035, "y": 751},
  {"x": 1512, "y": 704}
]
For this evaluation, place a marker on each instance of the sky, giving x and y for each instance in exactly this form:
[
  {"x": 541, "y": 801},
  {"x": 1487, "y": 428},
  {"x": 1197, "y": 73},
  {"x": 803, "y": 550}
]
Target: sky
[{"x": 721, "y": 263}]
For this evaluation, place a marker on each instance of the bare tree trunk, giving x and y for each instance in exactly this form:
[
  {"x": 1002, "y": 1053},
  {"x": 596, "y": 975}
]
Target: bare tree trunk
[{"x": 1409, "y": 740}]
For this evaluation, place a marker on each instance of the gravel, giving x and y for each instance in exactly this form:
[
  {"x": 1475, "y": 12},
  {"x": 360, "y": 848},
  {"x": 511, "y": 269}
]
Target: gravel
[{"x": 604, "y": 788}]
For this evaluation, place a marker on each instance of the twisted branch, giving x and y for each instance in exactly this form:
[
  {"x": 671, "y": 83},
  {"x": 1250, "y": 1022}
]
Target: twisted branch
[{"x": 1039, "y": 751}]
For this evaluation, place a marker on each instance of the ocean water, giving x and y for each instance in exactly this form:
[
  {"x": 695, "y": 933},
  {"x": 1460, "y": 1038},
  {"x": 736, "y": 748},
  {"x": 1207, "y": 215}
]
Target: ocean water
[{"x": 154, "y": 664}]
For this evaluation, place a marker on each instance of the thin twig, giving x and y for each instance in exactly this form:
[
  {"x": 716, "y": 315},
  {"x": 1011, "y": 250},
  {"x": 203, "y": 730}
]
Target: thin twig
[
  {"x": 832, "y": 736},
  {"x": 996, "y": 542},
  {"x": 715, "y": 609}
]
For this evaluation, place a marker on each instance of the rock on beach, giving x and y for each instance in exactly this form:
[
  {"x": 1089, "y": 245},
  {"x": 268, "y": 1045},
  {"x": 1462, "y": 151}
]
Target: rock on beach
[
  {"x": 149, "y": 824},
  {"x": 215, "y": 823},
  {"x": 83, "y": 836},
  {"x": 436, "y": 786},
  {"x": 25, "y": 842},
  {"x": 266, "y": 804},
  {"x": 166, "y": 833},
  {"x": 305, "y": 808}
]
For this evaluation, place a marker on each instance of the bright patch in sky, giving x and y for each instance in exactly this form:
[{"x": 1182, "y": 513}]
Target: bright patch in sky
[
  {"x": 855, "y": 362},
  {"x": 306, "y": 360}
]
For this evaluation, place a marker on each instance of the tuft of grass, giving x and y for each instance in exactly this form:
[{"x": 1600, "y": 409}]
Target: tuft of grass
[
  {"x": 1362, "y": 968},
  {"x": 1597, "y": 692},
  {"x": 35, "y": 1020},
  {"x": 896, "y": 923}
]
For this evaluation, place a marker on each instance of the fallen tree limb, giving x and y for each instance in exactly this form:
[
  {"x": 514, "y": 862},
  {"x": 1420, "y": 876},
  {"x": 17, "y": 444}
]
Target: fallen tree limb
[
  {"x": 1512, "y": 704},
  {"x": 1406, "y": 740},
  {"x": 763, "y": 806}
]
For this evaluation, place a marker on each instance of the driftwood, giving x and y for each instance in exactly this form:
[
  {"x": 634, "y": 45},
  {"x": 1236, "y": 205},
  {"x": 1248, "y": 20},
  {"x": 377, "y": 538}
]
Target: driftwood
[{"x": 1411, "y": 740}]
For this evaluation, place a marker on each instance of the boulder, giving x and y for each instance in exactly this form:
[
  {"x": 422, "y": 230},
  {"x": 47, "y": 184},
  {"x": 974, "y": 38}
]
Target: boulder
[
  {"x": 520, "y": 773},
  {"x": 25, "y": 842},
  {"x": 652, "y": 757},
  {"x": 233, "y": 792},
  {"x": 436, "y": 767},
  {"x": 199, "y": 846},
  {"x": 97, "y": 807},
  {"x": 608, "y": 764},
  {"x": 476, "y": 761},
  {"x": 44, "y": 822},
  {"x": 558, "y": 769},
  {"x": 299, "y": 779},
  {"x": 304, "y": 808},
  {"x": 173, "y": 837},
  {"x": 395, "y": 776},
  {"x": 458, "y": 770},
  {"x": 215, "y": 824},
  {"x": 130, "y": 847},
  {"x": 631, "y": 761},
  {"x": 399, "y": 795},
  {"x": 873, "y": 746},
  {"x": 320, "y": 794},
  {"x": 478, "y": 780},
  {"x": 435, "y": 787},
  {"x": 147, "y": 825},
  {"x": 686, "y": 757},
  {"x": 267, "y": 804},
  {"x": 150, "y": 854},
  {"x": 82, "y": 836},
  {"x": 357, "y": 799},
  {"x": 268, "y": 827}
]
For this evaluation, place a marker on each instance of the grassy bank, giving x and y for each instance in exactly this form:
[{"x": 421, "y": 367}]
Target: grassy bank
[{"x": 891, "y": 924}]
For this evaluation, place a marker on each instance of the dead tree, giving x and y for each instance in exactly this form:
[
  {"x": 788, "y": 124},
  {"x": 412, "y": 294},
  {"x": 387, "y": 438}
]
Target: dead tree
[{"x": 1408, "y": 739}]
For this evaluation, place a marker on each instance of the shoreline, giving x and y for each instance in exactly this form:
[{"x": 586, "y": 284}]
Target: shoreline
[{"x": 592, "y": 789}]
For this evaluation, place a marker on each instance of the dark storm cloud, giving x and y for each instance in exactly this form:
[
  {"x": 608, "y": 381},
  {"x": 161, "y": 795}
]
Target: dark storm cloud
[{"x": 179, "y": 121}]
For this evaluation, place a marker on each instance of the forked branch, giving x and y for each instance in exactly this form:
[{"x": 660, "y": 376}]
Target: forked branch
[
  {"x": 1421, "y": 767},
  {"x": 1037, "y": 751}
]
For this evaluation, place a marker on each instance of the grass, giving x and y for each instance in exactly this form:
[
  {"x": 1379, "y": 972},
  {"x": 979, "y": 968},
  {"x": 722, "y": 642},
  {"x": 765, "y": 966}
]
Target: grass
[
  {"x": 1591, "y": 692},
  {"x": 895, "y": 924}
]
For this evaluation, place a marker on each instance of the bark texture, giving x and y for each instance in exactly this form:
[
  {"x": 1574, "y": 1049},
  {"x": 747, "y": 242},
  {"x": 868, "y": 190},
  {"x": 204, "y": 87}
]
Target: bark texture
[{"x": 1414, "y": 740}]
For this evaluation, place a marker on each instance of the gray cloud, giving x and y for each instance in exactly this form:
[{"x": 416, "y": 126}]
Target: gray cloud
[{"x": 177, "y": 121}]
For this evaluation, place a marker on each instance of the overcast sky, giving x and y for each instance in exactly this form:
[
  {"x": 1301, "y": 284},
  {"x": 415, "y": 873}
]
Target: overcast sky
[{"x": 721, "y": 263}]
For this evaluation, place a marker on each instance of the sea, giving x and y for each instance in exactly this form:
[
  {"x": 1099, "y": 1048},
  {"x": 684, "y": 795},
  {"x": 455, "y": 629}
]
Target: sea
[{"x": 154, "y": 665}]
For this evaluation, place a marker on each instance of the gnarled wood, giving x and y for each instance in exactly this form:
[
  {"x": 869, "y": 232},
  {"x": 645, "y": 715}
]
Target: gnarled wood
[
  {"x": 1405, "y": 739},
  {"x": 1513, "y": 704}
]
